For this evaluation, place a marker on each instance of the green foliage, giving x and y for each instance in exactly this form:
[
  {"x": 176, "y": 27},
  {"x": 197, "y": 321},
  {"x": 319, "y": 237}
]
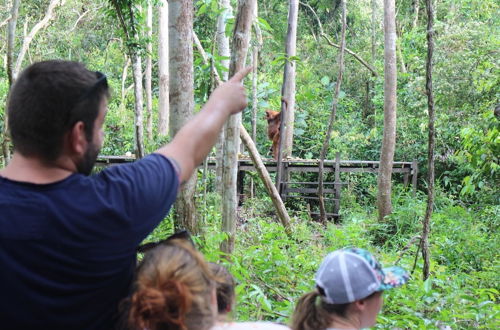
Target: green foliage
[
  {"x": 479, "y": 155},
  {"x": 273, "y": 270}
]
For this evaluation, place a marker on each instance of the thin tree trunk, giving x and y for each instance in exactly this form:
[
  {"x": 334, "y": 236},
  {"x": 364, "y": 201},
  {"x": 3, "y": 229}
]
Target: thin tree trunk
[
  {"x": 223, "y": 50},
  {"x": 288, "y": 88},
  {"x": 430, "y": 105},
  {"x": 124, "y": 81},
  {"x": 324, "y": 149},
  {"x": 11, "y": 36},
  {"x": 149, "y": 69},
  {"x": 416, "y": 9},
  {"x": 163, "y": 70},
  {"x": 370, "y": 116},
  {"x": 257, "y": 46},
  {"x": 241, "y": 40},
  {"x": 255, "y": 73},
  {"x": 139, "y": 128},
  {"x": 399, "y": 50},
  {"x": 389, "y": 138},
  {"x": 182, "y": 98},
  {"x": 132, "y": 35}
]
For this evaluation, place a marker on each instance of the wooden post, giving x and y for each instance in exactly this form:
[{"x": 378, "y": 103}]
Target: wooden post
[
  {"x": 405, "y": 176},
  {"x": 241, "y": 186},
  {"x": 414, "y": 174},
  {"x": 337, "y": 185}
]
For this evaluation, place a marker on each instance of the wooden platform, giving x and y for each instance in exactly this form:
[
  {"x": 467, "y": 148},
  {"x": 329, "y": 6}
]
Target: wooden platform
[{"x": 303, "y": 189}]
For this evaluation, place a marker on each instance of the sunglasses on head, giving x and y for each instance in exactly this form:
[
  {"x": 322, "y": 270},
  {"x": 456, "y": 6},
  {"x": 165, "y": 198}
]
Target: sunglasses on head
[
  {"x": 102, "y": 80},
  {"x": 183, "y": 234}
]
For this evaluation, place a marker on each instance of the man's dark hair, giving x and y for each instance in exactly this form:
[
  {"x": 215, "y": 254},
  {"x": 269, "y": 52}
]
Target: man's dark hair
[{"x": 47, "y": 100}]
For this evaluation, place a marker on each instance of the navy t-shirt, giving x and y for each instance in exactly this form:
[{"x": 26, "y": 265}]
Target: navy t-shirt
[{"x": 68, "y": 249}]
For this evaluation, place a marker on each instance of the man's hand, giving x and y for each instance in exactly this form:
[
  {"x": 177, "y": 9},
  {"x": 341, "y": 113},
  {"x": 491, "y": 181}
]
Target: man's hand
[{"x": 231, "y": 95}]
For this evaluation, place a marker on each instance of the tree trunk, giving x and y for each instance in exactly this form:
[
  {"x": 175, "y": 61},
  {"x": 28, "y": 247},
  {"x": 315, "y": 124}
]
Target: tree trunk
[
  {"x": 182, "y": 98},
  {"x": 149, "y": 69},
  {"x": 223, "y": 50},
  {"x": 416, "y": 9},
  {"x": 257, "y": 46},
  {"x": 399, "y": 49},
  {"x": 324, "y": 149},
  {"x": 11, "y": 37},
  {"x": 124, "y": 81},
  {"x": 389, "y": 138},
  {"x": 370, "y": 115},
  {"x": 241, "y": 40},
  {"x": 138, "y": 107},
  {"x": 163, "y": 102},
  {"x": 430, "y": 105},
  {"x": 255, "y": 73},
  {"x": 288, "y": 88}
]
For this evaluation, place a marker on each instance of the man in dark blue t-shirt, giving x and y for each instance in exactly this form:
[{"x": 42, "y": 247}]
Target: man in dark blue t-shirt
[{"x": 68, "y": 240}]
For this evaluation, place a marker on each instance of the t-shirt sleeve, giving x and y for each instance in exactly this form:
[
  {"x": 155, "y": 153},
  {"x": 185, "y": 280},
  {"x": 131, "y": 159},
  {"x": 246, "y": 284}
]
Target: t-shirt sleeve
[{"x": 140, "y": 194}]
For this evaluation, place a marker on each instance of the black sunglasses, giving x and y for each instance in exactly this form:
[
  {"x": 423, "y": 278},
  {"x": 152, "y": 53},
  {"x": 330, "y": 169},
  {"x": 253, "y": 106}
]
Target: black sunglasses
[
  {"x": 183, "y": 234},
  {"x": 102, "y": 80}
]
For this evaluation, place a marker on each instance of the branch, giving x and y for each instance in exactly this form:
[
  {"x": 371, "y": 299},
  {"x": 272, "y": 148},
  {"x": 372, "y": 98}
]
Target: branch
[
  {"x": 331, "y": 43},
  {"x": 78, "y": 20},
  {"x": 5, "y": 21},
  {"x": 119, "y": 13},
  {"x": 204, "y": 56},
  {"x": 40, "y": 25}
]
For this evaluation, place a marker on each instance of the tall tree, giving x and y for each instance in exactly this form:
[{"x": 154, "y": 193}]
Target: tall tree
[
  {"x": 288, "y": 88},
  {"x": 241, "y": 41},
  {"x": 163, "y": 69},
  {"x": 149, "y": 70},
  {"x": 430, "y": 156},
  {"x": 416, "y": 9},
  {"x": 333, "y": 113},
  {"x": 222, "y": 40},
  {"x": 389, "y": 138},
  {"x": 180, "y": 29},
  {"x": 127, "y": 13}
]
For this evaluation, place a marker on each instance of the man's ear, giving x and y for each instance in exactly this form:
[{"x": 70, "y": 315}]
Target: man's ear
[{"x": 77, "y": 139}]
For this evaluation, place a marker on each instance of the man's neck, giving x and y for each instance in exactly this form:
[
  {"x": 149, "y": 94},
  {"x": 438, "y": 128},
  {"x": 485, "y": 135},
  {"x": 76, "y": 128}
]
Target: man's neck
[{"x": 33, "y": 170}]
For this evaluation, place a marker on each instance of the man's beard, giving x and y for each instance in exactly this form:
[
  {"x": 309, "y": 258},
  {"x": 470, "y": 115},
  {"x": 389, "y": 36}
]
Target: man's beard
[{"x": 86, "y": 164}]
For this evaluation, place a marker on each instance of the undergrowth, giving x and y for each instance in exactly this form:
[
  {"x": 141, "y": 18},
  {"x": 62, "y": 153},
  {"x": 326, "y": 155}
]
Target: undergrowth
[{"x": 273, "y": 270}]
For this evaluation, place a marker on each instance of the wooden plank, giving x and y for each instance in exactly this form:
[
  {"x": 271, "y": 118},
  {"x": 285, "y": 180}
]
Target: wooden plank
[
  {"x": 309, "y": 197},
  {"x": 327, "y": 214},
  {"x": 309, "y": 190}
]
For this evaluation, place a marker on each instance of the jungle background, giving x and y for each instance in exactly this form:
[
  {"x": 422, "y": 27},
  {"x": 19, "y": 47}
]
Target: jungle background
[{"x": 272, "y": 268}]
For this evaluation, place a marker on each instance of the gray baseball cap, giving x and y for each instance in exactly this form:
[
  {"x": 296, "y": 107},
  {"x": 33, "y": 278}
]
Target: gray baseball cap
[{"x": 351, "y": 274}]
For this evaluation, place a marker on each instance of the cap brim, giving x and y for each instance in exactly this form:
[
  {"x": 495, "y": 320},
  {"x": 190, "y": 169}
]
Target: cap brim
[{"x": 393, "y": 277}]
